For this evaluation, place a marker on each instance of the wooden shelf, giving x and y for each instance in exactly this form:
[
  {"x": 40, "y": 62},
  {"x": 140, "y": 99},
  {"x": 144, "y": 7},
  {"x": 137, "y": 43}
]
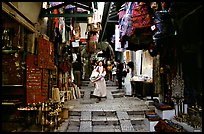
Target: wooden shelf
[
  {"x": 9, "y": 51},
  {"x": 12, "y": 85}
]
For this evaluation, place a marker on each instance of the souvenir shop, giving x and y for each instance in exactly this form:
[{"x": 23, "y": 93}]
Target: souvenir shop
[
  {"x": 37, "y": 61},
  {"x": 159, "y": 42},
  {"x": 161, "y": 39}
]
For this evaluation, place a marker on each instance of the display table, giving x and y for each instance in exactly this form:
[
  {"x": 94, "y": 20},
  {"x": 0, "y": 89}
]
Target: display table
[{"x": 142, "y": 89}]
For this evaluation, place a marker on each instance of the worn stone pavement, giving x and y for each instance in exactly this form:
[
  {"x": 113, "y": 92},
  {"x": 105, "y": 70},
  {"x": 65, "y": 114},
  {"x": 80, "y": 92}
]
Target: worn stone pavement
[{"x": 116, "y": 113}]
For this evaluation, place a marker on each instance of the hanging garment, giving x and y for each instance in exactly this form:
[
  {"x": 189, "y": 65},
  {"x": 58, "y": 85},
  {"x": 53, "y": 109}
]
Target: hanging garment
[
  {"x": 62, "y": 28},
  {"x": 77, "y": 30},
  {"x": 56, "y": 19},
  {"x": 163, "y": 25},
  {"x": 141, "y": 16},
  {"x": 127, "y": 20}
]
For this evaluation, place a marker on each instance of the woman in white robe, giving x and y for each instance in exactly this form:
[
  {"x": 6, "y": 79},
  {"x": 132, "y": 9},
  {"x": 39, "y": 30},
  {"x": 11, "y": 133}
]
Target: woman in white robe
[
  {"x": 100, "y": 83},
  {"x": 128, "y": 87}
]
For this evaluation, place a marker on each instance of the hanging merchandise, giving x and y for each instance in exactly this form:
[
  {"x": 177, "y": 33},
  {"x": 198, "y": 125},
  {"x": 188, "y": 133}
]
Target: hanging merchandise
[
  {"x": 65, "y": 64},
  {"x": 127, "y": 20},
  {"x": 163, "y": 25},
  {"x": 141, "y": 39},
  {"x": 140, "y": 33},
  {"x": 141, "y": 16},
  {"x": 90, "y": 20},
  {"x": 62, "y": 28},
  {"x": 77, "y": 31},
  {"x": 57, "y": 46},
  {"x": 121, "y": 14},
  {"x": 56, "y": 19}
]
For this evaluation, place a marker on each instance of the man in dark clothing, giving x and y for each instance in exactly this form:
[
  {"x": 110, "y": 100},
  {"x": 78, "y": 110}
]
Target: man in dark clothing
[
  {"x": 77, "y": 68},
  {"x": 119, "y": 73}
]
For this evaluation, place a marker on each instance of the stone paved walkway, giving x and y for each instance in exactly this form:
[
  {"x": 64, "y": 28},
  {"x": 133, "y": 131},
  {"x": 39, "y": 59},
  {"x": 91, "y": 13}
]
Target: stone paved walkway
[{"x": 116, "y": 113}]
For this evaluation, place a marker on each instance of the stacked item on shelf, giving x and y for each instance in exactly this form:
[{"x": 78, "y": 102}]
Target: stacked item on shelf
[
  {"x": 152, "y": 116},
  {"x": 151, "y": 119}
]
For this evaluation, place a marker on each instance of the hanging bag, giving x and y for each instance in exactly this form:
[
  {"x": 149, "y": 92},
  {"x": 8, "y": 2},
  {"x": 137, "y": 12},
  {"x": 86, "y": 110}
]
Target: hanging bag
[{"x": 141, "y": 34}]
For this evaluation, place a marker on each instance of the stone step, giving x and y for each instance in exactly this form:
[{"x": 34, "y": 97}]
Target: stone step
[
  {"x": 103, "y": 121},
  {"x": 75, "y": 113},
  {"x": 106, "y": 128},
  {"x": 139, "y": 112},
  {"x": 104, "y": 113}
]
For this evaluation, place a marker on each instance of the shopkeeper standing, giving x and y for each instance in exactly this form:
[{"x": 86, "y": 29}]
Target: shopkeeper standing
[
  {"x": 77, "y": 69},
  {"x": 119, "y": 73}
]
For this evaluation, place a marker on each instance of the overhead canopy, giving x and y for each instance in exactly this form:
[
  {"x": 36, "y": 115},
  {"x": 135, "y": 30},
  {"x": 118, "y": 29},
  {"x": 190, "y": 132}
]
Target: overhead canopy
[
  {"x": 181, "y": 10},
  {"x": 79, "y": 10}
]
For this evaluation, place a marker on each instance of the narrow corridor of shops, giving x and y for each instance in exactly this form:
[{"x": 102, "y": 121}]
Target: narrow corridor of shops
[
  {"x": 115, "y": 113},
  {"x": 101, "y": 66}
]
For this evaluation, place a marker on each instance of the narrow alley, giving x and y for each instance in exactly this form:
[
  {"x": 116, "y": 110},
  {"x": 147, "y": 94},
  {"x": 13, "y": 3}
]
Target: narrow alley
[
  {"x": 116, "y": 113},
  {"x": 101, "y": 66}
]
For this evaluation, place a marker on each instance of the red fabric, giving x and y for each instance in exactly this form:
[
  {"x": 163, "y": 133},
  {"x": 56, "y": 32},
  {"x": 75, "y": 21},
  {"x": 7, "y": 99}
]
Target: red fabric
[
  {"x": 141, "y": 17},
  {"x": 56, "y": 19}
]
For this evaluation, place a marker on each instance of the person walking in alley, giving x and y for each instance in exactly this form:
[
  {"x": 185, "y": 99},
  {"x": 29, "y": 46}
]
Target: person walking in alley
[
  {"x": 119, "y": 74},
  {"x": 77, "y": 69},
  {"x": 128, "y": 86},
  {"x": 100, "y": 83},
  {"x": 114, "y": 72}
]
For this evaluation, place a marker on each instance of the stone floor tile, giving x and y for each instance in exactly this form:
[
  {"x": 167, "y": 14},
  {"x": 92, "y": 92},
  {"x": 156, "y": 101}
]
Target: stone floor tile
[
  {"x": 73, "y": 127},
  {"x": 72, "y": 130},
  {"x": 126, "y": 126},
  {"x": 122, "y": 115},
  {"x": 103, "y": 130},
  {"x": 85, "y": 126},
  {"x": 112, "y": 118},
  {"x": 99, "y": 118},
  {"x": 86, "y": 115}
]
